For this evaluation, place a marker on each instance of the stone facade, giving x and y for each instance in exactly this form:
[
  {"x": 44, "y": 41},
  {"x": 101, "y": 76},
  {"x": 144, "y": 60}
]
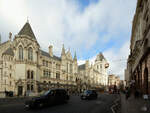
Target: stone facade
[
  {"x": 113, "y": 80},
  {"x": 126, "y": 76},
  {"x": 25, "y": 68},
  {"x": 94, "y": 75},
  {"x": 139, "y": 58}
]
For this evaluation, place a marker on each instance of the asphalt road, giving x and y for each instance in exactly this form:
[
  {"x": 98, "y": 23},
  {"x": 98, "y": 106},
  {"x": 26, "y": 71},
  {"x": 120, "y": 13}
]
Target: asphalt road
[{"x": 75, "y": 105}]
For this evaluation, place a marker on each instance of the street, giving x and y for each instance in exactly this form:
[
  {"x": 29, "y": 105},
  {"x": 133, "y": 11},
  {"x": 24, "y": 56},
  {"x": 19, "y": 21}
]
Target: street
[{"x": 74, "y": 105}]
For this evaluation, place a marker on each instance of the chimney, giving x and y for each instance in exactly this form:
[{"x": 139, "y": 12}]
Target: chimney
[{"x": 51, "y": 50}]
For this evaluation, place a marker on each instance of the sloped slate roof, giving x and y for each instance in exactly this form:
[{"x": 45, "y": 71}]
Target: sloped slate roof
[
  {"x": 47, "y": 55},
  {"x": 81, "y": 67},
  {"x": 4, "y": 43},
  {"x": 9, "y": 51},
  {"x": 27, "y": 30}
]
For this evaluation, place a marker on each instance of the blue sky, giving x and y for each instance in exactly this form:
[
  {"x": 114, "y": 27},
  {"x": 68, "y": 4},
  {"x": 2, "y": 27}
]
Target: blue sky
[{"x": 85, "y": 26}]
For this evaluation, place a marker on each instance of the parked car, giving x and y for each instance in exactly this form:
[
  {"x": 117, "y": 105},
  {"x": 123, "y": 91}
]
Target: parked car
[
  {"x": 50, "y": 97},
  {"x": 89, "y": 94}
]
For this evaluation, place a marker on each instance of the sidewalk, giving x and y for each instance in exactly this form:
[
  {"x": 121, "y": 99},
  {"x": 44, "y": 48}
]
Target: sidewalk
[{"x": 133, "y": 105}]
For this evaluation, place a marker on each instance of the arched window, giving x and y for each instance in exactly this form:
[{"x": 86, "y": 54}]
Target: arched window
[
  {"x": 20, "y": 53},
  {"x": 30, "y": 54},
  {"x": 32, "y": 74},
  {"x": 28, "y": 74}
]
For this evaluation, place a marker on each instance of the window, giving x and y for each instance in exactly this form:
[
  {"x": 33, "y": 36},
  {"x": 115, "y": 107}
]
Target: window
[
  {"x": 28, "y": 74},
  {"x": 43, "y": 62},
  {"x": 10, "y": 83},
  {"x": 44, "y": 82},
  {"x": 30, "y": 54},
  {"x": 70, "y": 68},
  {"x": 49, "y": 74},
  {"x": 57, "y": 76},
  {"x": 46, "y": 63},
  {"x": 67, "y": 67},
  {"x": 97, "y": 66},
  {"x": 46, "y": 73},
  {"x": 10, "y": 75},
  {"x": 101, "y": 66},
  {"x": 32, "y": 74},
  {"x": 71, "y": 78},
  {"x": 10, "y": 67},
  {"x": 43, "y": 73},
  {"x": 20, "y": 53}
]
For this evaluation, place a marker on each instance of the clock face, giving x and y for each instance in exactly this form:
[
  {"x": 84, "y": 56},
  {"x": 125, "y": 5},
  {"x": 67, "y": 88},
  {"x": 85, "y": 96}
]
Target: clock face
[{"x": 106, "y": 65}]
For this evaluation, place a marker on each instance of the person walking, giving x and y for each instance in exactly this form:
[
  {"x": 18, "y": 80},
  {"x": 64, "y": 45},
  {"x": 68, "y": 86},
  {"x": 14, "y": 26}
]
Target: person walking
[{"x": 127, "y": 93}]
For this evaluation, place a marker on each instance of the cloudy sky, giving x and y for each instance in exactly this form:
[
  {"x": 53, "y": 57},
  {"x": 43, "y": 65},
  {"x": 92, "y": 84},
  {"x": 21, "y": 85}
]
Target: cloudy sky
[{"x": 85, "y": 26}]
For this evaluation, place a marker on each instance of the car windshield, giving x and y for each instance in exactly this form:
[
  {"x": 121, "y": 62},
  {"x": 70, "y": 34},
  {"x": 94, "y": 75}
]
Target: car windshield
[
  {"x": 47, "y": 92},
  {"x": 44, "y": 93},
  {"x": 87, "y": 92}
]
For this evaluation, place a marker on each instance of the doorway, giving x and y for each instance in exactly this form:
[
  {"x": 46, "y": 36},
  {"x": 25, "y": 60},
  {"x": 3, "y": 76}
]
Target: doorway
[{"x": 20, "y": 90}]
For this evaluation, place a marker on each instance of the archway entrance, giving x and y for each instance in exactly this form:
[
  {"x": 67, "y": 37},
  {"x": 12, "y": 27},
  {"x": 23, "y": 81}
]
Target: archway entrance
[
  {"x": 146, "y": 81},
  {"x": 20, "y": 90}
]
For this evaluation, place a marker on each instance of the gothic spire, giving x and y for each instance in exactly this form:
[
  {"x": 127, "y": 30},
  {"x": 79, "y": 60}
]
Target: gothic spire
[{"x": 63, "y": 50}]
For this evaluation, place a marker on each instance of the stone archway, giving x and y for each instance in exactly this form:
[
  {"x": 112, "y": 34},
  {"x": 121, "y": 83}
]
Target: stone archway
[{"x": 146, "y": 80}]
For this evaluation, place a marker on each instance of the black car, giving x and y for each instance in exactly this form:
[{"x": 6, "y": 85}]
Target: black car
[
  {"x": 89, "y": 94},
  {"x": 51, "y": 97}
]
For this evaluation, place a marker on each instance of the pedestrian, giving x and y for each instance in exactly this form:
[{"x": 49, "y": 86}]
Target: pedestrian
[
  {"x": 136, "y": 93},
  {"x": 127, "y": 93}
]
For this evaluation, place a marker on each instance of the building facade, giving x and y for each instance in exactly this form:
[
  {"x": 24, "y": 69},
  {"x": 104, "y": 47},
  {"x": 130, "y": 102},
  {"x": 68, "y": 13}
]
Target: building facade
[
  {"x": 94, "y": 75},
  {"x": 113, "y": 80},
  {"x": 127, "y": 77},
  {"x": 25, "y": 68},
  {"x": 139, "y": 58}
]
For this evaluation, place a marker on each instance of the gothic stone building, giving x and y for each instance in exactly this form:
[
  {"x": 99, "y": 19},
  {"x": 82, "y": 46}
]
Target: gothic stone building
[
  {"x": 94, "y": 75},
  {"x": 24, "y": 67},
  {"x": 139, "y": 59}
]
